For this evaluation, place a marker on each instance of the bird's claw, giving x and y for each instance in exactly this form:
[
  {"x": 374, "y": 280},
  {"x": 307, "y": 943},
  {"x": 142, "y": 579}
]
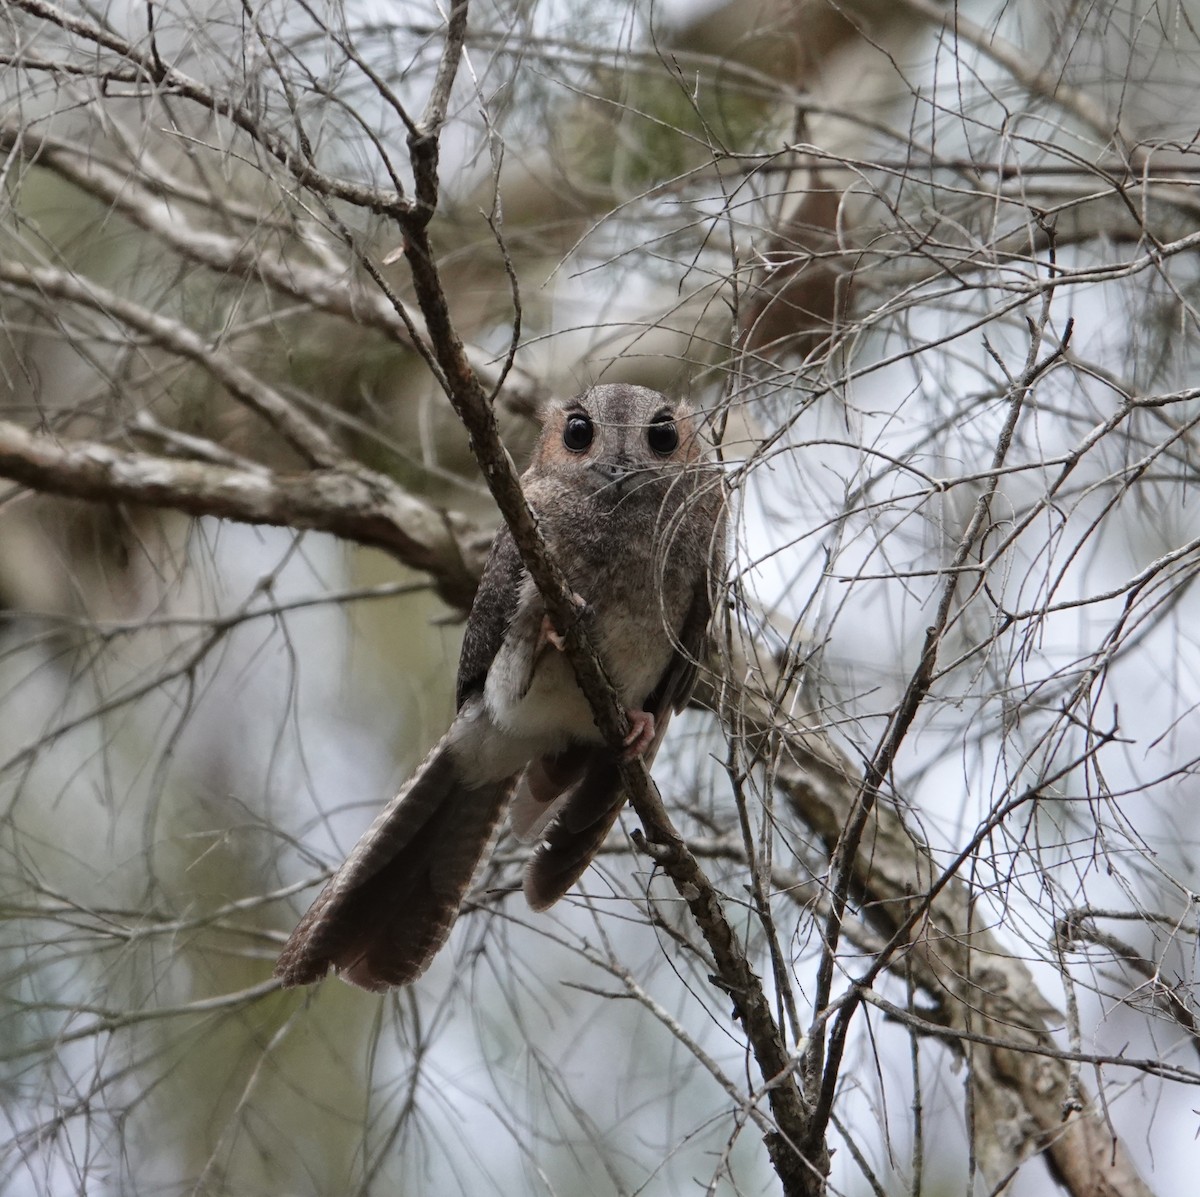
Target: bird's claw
[
  {"x": 641, "y": 734},
  {"x": 547, "y": 634}
]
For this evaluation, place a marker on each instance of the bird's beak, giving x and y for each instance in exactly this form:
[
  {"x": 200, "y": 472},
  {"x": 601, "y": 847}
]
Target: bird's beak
[{"x": 617, "y": 476}]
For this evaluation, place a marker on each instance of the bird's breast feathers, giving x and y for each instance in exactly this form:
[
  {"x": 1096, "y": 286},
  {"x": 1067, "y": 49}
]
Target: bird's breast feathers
[{"x": 531, "y": 690}]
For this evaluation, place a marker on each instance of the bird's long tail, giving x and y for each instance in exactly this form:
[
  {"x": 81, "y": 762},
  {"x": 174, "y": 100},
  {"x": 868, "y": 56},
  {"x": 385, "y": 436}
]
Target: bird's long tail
[
  {"x": 580, "y": 826},
  {"x": 574, "y": 827},
  {"x": 388, "y": 909}
]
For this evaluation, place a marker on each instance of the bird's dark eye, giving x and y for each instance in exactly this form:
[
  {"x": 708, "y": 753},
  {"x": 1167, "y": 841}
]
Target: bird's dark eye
[
  {"x": 578, "y": 433},
  {"x": 662, "y": 435}
]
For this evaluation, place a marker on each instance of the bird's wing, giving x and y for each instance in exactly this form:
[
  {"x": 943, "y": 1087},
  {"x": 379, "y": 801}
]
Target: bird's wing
[
  {"x": 679, "y": 678},
  {"x": 491, "y": 614}
]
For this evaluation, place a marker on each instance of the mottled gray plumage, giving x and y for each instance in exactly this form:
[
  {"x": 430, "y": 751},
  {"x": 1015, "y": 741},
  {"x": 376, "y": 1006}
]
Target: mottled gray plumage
[{"x": 635, "y": 522}]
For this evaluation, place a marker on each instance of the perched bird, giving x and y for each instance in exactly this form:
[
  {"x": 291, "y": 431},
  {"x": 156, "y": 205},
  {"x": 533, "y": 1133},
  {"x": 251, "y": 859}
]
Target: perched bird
[{"x": 634, "y": 517}]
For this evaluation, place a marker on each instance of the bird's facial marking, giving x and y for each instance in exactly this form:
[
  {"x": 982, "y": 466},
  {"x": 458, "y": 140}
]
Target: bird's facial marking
[{"x": 616, "y": 440}]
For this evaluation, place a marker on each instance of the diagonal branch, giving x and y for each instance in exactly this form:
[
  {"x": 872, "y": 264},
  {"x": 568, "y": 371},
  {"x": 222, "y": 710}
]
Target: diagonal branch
[
  {"x": 799, "y": 1176},
  {"x": 735, "y": 975}
]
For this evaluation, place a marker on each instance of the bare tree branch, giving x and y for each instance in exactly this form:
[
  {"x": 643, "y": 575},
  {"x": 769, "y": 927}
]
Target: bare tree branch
[
  {"x": 801, "y": 1170},
  {"x": 354, "y": 503},
  {"x": 150, "y": 72},
  {"x": 986, "y": 999},
  {"x": 303, "y": 434},
  {"x": 323, "y": 288},
  {"x": 824, "y": 222}
]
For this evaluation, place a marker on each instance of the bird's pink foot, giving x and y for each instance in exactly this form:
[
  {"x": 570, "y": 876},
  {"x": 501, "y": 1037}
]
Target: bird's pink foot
[
  {"x": 547, "y": 633},
  {"x": 641, "y": 734}
]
